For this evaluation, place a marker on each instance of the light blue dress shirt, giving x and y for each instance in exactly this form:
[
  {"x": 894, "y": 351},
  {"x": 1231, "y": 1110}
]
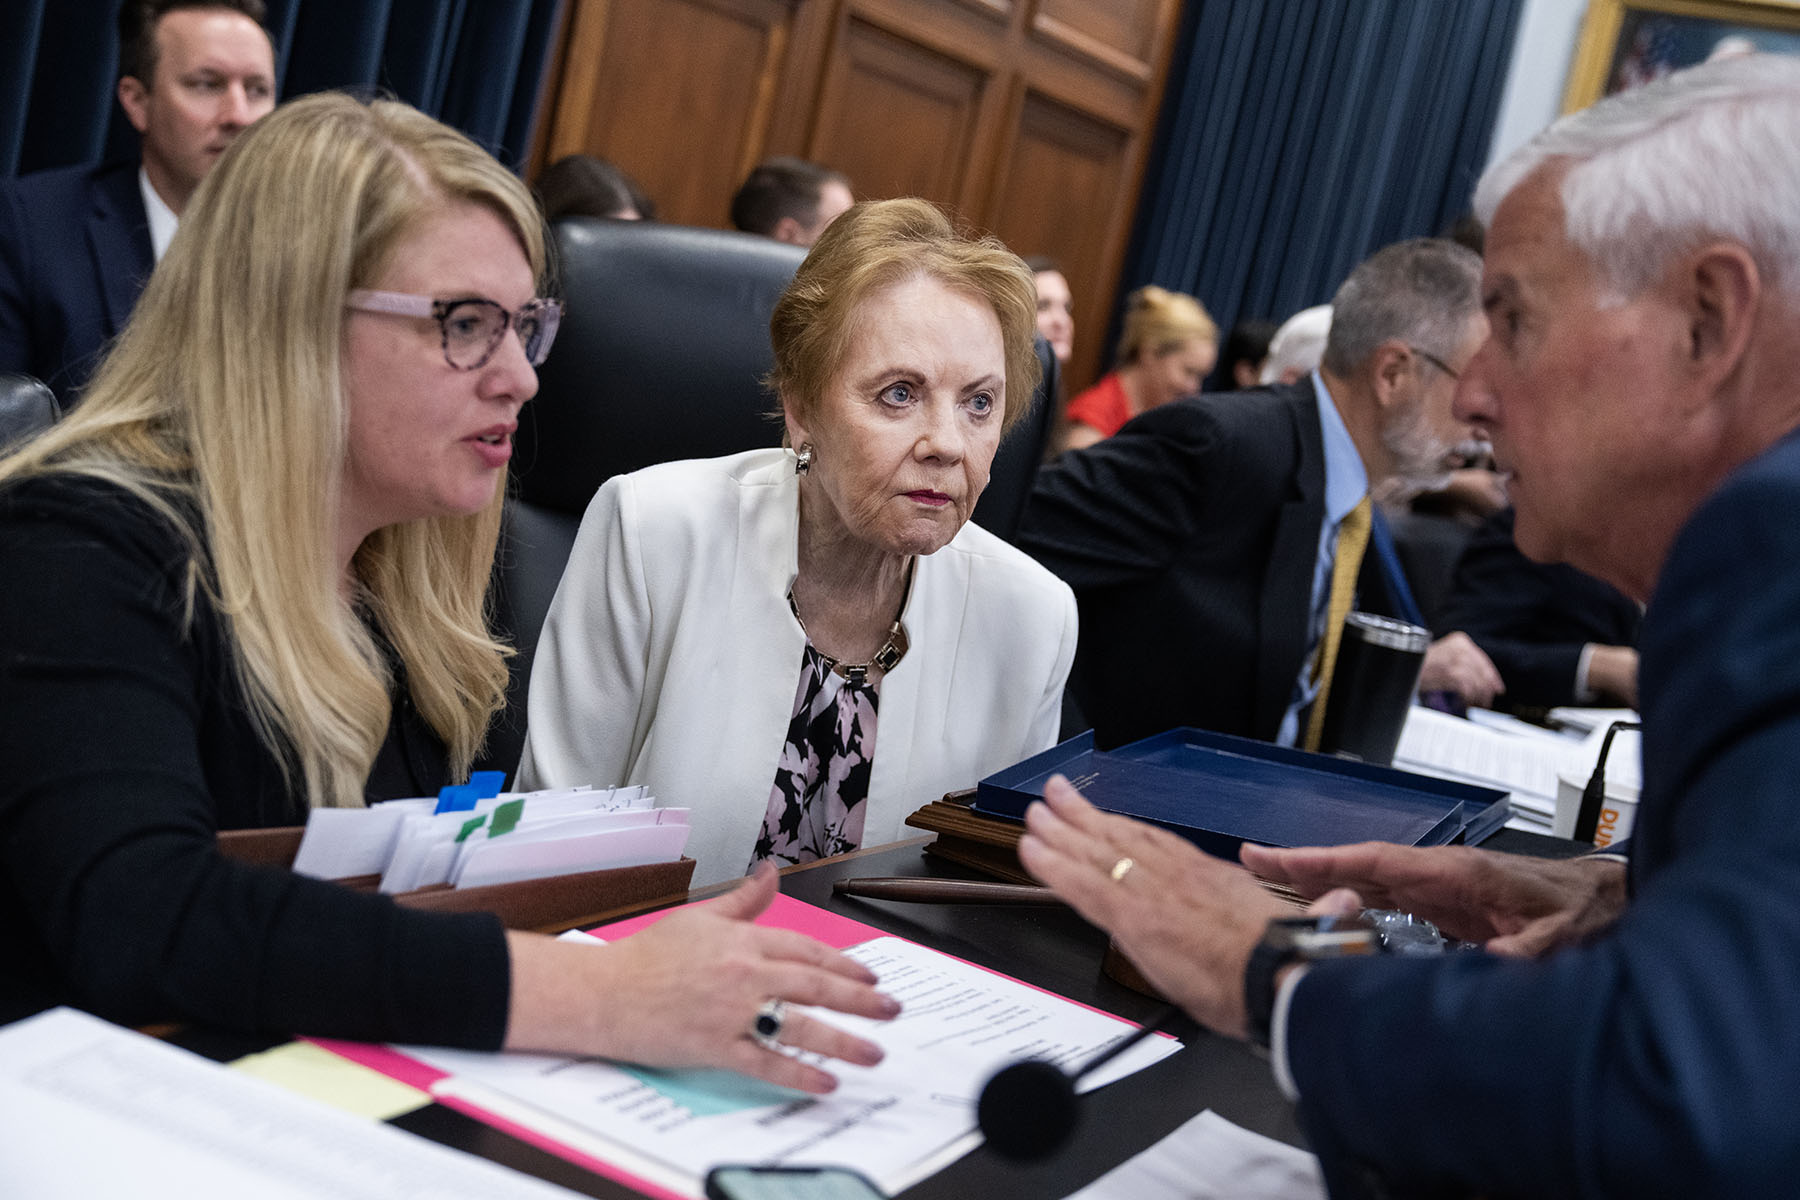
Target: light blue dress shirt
[{"x": 1346, "y": 483}]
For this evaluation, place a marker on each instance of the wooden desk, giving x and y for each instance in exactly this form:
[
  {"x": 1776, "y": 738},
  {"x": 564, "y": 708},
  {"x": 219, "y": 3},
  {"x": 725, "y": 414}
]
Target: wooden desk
[{"x": 1046, "y": 946}]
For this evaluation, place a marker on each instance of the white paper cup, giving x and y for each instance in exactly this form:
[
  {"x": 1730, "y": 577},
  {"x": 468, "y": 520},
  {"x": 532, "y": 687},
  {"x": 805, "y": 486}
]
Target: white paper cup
[{"x": 1618, "y": 811}]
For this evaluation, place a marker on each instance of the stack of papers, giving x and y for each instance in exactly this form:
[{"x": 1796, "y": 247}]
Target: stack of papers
[
  {"x": 88, "y": 1109},
  {"x": 897, "y": 1122},
  {"x": 503, "y": 839},
  {"x": 1209, "y": 1158},
  {"x": 1525, "y": 760}
]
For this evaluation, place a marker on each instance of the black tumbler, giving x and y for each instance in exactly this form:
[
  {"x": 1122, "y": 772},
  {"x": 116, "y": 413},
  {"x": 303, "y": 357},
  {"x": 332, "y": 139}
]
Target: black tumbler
[{"x": 1378, "y": 665}]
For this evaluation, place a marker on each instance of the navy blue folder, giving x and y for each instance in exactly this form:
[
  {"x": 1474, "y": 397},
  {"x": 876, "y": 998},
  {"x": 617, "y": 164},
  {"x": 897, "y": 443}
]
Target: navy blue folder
[{"x": 1219, "y": 791}]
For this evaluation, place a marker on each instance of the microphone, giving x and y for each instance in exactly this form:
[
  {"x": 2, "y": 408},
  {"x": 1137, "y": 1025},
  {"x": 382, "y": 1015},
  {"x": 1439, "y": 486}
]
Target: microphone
[{"x": 1028, "y": 1109}]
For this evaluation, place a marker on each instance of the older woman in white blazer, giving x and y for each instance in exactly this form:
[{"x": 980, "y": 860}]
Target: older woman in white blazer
[{"x": 806, "y": 644}]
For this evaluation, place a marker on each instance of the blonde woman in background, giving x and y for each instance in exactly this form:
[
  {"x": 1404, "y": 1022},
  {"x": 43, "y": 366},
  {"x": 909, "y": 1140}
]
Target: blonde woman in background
[
  {"x": 248, "y": 579},
  {"x": 1169, "y": 345}
]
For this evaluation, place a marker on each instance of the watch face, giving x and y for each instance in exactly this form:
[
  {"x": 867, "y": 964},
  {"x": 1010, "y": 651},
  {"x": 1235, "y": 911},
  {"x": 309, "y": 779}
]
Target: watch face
[{"x": 1325, "y": 937}]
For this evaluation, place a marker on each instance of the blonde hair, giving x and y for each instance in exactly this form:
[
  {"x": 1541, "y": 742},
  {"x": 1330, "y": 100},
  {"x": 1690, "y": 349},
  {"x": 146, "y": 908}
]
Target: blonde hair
[
  {"x": 222, "y": 406},
  {"x": 882, "y": 242},
  {"x": 1158, "y": 321}
]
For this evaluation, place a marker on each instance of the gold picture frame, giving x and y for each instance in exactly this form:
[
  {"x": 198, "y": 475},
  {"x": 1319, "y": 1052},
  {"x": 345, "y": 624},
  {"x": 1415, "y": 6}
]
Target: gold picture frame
[{"x": 1623, "y": 38}]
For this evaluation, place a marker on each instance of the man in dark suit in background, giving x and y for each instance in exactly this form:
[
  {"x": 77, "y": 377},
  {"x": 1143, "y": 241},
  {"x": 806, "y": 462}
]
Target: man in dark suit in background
[
  {"x": 1642, "y": 384},
  {"x": 1201, "y": 539},
  {"x": 1556, "y": 635},
  {"x": 77, "y": 243}
]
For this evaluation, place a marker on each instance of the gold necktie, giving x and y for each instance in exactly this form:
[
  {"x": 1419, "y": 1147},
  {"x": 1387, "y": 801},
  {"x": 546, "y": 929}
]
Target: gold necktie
[{"x": 1346, "y": 561}]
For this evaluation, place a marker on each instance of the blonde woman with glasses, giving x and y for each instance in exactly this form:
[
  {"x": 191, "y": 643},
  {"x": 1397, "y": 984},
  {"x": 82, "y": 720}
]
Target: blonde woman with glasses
[{"x": 247, "y": 578}]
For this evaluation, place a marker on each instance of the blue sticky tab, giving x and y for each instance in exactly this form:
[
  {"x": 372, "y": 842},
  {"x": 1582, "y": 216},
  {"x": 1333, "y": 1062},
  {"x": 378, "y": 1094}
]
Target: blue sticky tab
[
  {"x": 459, "y": 797},
  {"x": 487, "y": 784}
]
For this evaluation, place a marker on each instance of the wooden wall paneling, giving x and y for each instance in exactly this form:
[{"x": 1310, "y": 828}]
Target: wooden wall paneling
[
  {"x": 582, "y": 39},
  {"x": 679, "y": 93},
  {"x": 998, "y": 9},
  {"x": 1032, "y": 118},
  {"x": 1117, "y": 35},
  {"x": 1063, "y": 193},
  {"x": 813, "y": 33},
  {"x": 898, "y": 117},
  {"x": 979, "y": 35},
  {"x": 543, "y": 118}
]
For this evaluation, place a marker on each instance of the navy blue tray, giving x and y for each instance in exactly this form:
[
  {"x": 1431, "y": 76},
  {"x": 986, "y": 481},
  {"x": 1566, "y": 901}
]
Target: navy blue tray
[{"x": 1220, "y": 791}]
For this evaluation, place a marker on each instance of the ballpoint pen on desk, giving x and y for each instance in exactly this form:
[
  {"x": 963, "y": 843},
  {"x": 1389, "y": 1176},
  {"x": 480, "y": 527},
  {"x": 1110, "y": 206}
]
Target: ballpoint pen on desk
[{"x": 944, "y": 891}]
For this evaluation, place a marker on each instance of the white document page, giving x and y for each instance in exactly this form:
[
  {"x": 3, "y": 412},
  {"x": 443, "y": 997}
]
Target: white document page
[
  {"x": 342, "y": 842},
  {"x": 1585, "y": 720},
  {"x": 1209, "y": 1158},
  {"x": 1435, "y": 743},
  {"x": 88, "y": 1109},
  {"x": 1518, "y": 758},
  {"x": 511, "y": 859},
  {"x": 536, "y": 826},
  {"x": 895, "y": 1122}
]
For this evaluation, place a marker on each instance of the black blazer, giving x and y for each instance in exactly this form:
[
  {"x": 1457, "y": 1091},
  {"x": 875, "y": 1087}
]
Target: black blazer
[
  {"x": 1189, "y": 538},
  {"x": 74, "y": 254},
  {"x": 1532, "y": 618}
]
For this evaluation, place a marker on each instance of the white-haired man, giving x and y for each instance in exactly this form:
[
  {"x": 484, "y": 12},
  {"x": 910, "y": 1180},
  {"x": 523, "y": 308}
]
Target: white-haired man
[{"x": 1636, "y": 1031}]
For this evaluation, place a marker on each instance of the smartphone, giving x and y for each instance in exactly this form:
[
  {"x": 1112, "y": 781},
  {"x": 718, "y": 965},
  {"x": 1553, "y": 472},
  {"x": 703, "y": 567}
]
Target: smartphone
[{"x": 789, "y": 1183}]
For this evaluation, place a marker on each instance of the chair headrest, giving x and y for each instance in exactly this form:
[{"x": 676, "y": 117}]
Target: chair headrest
[
  {"x": 663, "y": 346},
  {"x": 26, "y": 406}
]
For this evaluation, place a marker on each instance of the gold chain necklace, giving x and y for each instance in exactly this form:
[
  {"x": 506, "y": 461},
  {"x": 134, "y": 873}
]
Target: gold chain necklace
[{"x": 887, "y": 658}]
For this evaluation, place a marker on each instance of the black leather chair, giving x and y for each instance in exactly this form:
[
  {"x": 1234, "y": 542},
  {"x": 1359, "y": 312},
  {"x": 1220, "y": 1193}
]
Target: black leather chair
[
  {"x": 26, "y": 406},
  {"x": 663, "y": 348},
  {"x": 1021, "y": 454}
]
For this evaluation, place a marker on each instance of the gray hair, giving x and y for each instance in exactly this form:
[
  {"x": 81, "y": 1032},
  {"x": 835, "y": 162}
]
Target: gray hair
[
  {"x": 1299, "y": 344},
  {"x": 1709, "y": 152},
  {"x": 1424, "y": 292}
]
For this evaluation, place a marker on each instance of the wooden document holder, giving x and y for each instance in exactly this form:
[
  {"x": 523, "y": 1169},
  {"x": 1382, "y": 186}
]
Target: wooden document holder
[
  {"x": 532, "y": 904},
  {"x": 987, "y": 844}
]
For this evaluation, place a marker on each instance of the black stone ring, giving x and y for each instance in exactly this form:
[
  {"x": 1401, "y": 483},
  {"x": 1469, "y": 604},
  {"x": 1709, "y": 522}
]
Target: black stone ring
[{"x": 766, "y": 1027}]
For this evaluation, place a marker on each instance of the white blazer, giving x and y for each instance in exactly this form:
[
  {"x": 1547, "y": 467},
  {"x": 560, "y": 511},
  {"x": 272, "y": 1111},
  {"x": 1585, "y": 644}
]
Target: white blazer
[{"x": 670, "y": 657}]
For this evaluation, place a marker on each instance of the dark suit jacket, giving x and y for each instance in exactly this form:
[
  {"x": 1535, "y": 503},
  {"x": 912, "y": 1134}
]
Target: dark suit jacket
[
  {"x": 1189, "y": 538},
  {"x": 1532, "y": 618},
  {"x": 74, "y": 254},
  {"x": 1660, "y": 1060}
]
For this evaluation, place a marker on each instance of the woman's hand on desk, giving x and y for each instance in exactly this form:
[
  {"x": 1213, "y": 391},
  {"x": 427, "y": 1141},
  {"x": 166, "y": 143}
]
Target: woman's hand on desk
[
  {"x": 1187, "y": 920},
  {"x": 1513, "y": 903},
  {"x": 685, "y": 993}
]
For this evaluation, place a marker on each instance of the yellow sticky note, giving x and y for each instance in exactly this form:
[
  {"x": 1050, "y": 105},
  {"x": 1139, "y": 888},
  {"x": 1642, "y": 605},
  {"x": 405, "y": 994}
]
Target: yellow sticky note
[{"x": 317, "y": 1073}]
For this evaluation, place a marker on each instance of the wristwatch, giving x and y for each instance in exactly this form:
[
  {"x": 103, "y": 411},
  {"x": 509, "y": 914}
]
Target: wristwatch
[{"x": 1299, "y": 940}]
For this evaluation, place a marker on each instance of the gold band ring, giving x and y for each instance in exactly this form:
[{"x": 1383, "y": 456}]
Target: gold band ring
[{"x": 1122, "y": 868}]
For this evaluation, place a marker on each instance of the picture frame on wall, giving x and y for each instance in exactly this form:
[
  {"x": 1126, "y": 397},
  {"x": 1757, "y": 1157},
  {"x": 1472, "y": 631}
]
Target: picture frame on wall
[{"x": 1627, "y": 42}]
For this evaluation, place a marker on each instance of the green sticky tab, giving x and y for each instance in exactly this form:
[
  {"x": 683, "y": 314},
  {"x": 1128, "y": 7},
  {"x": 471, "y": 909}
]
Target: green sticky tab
[
  {"x": 505, "y": 817},
  {"x": 470, "y": 826}
]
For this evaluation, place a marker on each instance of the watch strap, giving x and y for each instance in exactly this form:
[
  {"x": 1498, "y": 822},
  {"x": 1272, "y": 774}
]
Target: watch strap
[{"x": 1266, "y": 961}]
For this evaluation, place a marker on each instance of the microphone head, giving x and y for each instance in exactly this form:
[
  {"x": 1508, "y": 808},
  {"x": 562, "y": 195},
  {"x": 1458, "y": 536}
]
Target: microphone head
[{"x": 1027, "y": 1110}]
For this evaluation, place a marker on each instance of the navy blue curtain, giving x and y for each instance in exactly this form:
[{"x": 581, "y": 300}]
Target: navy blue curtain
[
  {"x": 1299, "y": 136},
  {"x": 476, "y": 64}
]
